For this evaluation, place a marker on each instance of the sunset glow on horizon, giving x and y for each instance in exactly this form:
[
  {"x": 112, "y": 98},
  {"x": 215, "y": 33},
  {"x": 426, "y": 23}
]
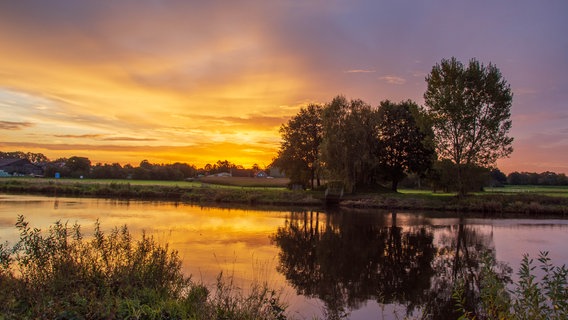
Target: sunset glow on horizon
[{"x": 194, "y": 82}]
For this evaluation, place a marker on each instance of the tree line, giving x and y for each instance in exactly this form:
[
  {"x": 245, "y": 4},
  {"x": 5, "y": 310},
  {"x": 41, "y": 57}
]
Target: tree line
[
  {"x": 77, "y": 167},
  {"x": 458, "y": 135}
]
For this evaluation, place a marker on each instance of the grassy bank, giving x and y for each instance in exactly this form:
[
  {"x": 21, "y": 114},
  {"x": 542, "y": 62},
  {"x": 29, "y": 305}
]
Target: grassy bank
[
  {"x": 485, "y": 203},
  {"x": 525, "y": 200},
  {"x": 196, "y": 192}
]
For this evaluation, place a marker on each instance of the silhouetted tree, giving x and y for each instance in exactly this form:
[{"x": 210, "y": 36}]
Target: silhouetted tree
[
  {"x": 349, "y": 142},
  {"x": 35, "y": 158},
  {"x": 470, "y": 111},
  {"x": 402, "y": 145},
  {"x": 78, "y": 166},
  {"x": 346, "y": 259},
  {"x": 299, "y": 155}
]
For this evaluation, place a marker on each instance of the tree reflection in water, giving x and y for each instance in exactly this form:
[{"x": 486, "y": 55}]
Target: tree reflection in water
[{"x": 346, "y": 259}]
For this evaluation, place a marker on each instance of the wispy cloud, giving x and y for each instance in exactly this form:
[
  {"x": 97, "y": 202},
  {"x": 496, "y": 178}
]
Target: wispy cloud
[
  {"x": 393, "y": 79},
  {"x": 14, "y": 125},
  {"x": 359, "y": 71},
  {"x": 80, "y": 136},
  {"x": 128, "y": 139}
]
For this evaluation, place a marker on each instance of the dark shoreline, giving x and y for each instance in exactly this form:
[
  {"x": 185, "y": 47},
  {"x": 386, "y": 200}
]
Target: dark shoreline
[{"x": 529, "y": 205}]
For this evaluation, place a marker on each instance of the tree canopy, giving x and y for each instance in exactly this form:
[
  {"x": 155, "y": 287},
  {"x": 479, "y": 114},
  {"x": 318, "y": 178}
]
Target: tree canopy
[
  {"x": 402, "y": 145},
  {"x": 470, "y": 109},
  {"x": 299, "y": 155}
]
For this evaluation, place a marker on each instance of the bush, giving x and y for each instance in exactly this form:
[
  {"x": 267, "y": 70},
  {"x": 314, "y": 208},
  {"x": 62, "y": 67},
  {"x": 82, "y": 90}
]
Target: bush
[
  {"x": 59, "y": 274},
  {"x": 531, "y": 297}
]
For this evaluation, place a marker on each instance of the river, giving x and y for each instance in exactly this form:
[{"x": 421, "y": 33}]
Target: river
[{"x": 357, "y": 264}]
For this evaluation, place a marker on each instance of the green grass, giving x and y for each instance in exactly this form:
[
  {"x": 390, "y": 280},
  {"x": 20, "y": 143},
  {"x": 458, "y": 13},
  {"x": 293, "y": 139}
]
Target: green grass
[
  {"x": 245, "y": 182},
  {"x": 426, "y": 193},
  {"x": 211, "y": 181},
  {"x": 553, "y": 191},
  {"x": 243, "y": 192},
  {"x": 107, "y": 181}
]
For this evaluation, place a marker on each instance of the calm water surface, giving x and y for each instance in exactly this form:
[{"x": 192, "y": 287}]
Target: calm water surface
[{"x": 362, "y": 264}]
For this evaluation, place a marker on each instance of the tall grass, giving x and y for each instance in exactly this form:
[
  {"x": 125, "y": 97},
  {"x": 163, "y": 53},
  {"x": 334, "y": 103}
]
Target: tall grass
[{"x": 59, "y": 274}]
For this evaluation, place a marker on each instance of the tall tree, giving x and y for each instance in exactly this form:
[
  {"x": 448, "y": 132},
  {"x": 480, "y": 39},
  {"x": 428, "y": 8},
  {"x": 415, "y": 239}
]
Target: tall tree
[
  {"x": 299, "y": 156},
  {"x": 349, "y": 131},
  {"x": 402, "y": 145},
  {"x": 470, "y": 108}
]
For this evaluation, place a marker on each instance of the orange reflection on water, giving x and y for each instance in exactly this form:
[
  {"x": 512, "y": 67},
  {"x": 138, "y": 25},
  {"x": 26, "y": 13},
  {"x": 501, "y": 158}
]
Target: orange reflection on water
[{"x": 209, "y": 240}]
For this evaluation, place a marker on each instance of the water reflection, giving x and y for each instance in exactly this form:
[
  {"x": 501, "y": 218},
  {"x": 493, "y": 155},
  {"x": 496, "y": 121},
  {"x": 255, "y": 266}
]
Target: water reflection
[
  {"x": 359, "y": 264},
  {"x": 347, "y": 259}
]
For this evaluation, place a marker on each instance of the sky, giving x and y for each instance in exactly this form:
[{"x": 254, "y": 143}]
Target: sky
[{"x": 201, "y": 81}]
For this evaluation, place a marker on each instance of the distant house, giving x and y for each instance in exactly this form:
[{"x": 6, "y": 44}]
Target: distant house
[
  {"x": 260, "y": 174},
  {"x": 20, "y": 167}
]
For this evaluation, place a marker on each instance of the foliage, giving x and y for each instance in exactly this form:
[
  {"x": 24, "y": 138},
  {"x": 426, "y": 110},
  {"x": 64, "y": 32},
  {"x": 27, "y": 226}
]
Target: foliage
[
  {"x": 78, "y": 166},
  {"x": 299, "y": 154},
  {"x": 546, "y": 178},
  {"x": 349, "y": 142},
  {"x": 402, "y": 145},
  {"x": 470, "y": 112},
  {"x": 61, "y": 275},
  {"x": 35, "y": 158},
  {"x": 443, "y": 177},
  {"x": 531, "y": 297}
]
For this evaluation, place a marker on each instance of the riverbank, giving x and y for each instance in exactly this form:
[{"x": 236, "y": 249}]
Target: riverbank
[{"x": 494, "y": 203}]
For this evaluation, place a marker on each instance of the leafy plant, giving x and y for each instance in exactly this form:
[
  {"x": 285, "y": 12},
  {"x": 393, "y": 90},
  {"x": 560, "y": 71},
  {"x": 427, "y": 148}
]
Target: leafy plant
[
  {"x": 531, "y": 298},
  {"x": 60, "y": 274}
]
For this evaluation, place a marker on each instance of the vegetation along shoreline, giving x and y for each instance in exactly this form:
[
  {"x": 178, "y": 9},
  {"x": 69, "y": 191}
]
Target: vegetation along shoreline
[{"x": 539, "y": 201}]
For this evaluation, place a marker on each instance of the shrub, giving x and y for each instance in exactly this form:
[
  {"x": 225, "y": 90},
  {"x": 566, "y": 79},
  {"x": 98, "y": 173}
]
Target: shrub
[
  {"x": 531, "y": 297},
  {"x": 59, "y": 274}
]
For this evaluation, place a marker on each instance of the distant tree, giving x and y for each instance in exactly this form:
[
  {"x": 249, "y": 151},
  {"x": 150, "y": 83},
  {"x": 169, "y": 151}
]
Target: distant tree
[
  {"x": 498, "y": 177},
  {"x": 36, "y": 158},
  {"x": 533, "y": 178},
  {"x": 299, "y": 154},
  {"x": 349, "y": 142},
  {"x": 515, "y": 178},
  {"x": 108, "y": 171},
  {"x": 78, "y": 166},
  {"x": 470, "y": 112},
  {"x": 402, "y": 145}
]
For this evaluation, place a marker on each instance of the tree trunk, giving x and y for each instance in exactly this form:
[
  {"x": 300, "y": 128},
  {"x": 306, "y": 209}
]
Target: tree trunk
[
  {"x": 461, "y": 187},
  {"x": 394, "y": 185}
]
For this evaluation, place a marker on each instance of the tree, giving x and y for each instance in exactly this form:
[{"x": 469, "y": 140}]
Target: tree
[
  {"x": 299, "y": 155},
  {"x": 402, "y": 145},
  {"x": 78, "y": 166},
  {"x": 32, "y": 157},
  {"x": 349, "y": 143},
  {"x": 470, "y": 112}
]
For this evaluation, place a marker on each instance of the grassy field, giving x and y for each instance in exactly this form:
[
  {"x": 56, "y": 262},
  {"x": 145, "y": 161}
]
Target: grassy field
[
  {"x": 246, "y": 182},
  {"x": 229, "y": 182},
  {"x": 552, "y": 191}
]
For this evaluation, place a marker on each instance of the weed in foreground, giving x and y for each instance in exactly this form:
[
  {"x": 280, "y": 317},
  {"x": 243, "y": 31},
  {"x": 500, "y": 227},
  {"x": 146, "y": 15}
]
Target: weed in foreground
[
  {"x": 532, "y": 297},
  {"x": 59, "y": 274}
]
